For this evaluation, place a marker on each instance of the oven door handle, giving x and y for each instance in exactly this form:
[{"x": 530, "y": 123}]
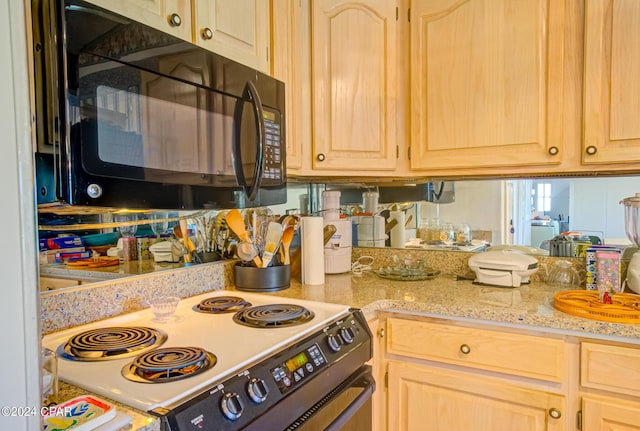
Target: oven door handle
[
  {"x": 250, "y": 93},
  {"x": 364, "y": 396}
]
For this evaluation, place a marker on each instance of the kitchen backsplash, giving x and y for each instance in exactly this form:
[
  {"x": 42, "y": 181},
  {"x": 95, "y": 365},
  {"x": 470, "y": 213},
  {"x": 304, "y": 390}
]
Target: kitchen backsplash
[{"x": 69, "y": 307}]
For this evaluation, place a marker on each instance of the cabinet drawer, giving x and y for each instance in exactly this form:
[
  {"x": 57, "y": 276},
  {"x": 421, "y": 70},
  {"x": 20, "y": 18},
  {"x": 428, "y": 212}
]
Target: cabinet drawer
[
  {"x": 52, "y": 283},
  {"x": 523, "y": 355},
  {"x": 612, "y": 368}
]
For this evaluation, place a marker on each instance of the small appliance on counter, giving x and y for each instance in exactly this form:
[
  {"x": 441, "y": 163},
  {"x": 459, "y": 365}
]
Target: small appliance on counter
[
  {"x": 632, "y": 229},
  {"x": 503, "y": 268},
  {"x": 166, "y": 251},
  {"x": 337, "y": 250}
]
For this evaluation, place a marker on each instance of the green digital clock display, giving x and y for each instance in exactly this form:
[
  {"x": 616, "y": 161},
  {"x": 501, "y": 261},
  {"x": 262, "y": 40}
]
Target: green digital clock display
[{"x": 297, "y": 361}]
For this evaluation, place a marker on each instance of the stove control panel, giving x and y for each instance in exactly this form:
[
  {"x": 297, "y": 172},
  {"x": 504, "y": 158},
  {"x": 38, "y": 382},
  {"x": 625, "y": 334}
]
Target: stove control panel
[
  {"x": 298, "y": 367},
  {"x": 253, "y": 392}
]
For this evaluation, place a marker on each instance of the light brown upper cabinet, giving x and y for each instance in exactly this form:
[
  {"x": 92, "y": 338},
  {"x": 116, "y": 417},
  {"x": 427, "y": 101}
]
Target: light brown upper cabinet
[
  {"x": 462, "y": 88},
  {"x": 354, "y": 80},
  {"x": 340, "y": 65},
  {"x": 236, "y": 29},
  {"x": 611, "y": 84},
  {"x": 170, "y": 16},
  {"x": 486, "y": 83}
]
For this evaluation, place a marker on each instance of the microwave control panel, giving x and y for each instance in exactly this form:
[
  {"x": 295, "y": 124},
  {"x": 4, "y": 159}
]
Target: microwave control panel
[{"x": 273, "y": 172}]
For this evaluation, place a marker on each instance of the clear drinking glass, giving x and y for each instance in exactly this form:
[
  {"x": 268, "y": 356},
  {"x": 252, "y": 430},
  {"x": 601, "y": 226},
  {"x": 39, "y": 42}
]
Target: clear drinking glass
[
  {"x": 157, "y": 225},
  {"x": 49, "y": 372},
  {"x": 126, "y": 230}
]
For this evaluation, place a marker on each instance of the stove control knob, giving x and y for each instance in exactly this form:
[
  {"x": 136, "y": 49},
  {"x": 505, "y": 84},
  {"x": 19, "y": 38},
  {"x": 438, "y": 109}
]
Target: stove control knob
[
  {"x": 334, "y": 342},
  {"x": 347, "y": 335},
  {"x": 231, "y": 406},
  {"x": 257, "y": 390}
]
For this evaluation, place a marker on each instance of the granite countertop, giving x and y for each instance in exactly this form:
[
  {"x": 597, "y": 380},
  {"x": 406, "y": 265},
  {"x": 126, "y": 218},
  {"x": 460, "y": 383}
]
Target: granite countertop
[
  {"x": 529, "y": 307},
  {"x": 124, "y": 269}
]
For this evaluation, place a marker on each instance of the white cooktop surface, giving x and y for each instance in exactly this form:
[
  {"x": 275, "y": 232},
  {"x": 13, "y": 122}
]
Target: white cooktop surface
[{"x": 235, "y": 346}]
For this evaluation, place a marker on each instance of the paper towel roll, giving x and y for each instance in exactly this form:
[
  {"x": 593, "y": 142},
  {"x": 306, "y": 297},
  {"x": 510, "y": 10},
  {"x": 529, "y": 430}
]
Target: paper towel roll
[
  {"x": 312, "y": 249},
  {"x": 397, "y": 232}
]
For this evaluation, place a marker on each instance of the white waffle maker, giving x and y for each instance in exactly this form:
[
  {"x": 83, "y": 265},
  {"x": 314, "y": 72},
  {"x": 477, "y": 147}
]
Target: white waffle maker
[{"x": 505, "y": 268}]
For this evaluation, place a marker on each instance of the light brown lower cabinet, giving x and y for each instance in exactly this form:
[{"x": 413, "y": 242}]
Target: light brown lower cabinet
[
  {"x": 438, "y": 374},
  {"x": 610, "y": 385},
  {"x": 609, "y": 414},
  {"x": 423, "y": 398}
]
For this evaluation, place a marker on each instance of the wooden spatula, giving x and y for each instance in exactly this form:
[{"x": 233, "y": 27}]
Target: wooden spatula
[
  {"x": 274, "y": 233},
  {"x": 287, "y": 236},
  {"x": 236, "y": 224}
]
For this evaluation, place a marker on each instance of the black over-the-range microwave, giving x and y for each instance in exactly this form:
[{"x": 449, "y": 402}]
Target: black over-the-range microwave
[{"x": 130, "y": 117}]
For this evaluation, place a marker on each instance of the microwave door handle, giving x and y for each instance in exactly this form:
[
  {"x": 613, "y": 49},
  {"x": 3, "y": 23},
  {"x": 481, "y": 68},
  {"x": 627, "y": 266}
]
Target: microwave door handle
[{"x": 250, "y": 93}]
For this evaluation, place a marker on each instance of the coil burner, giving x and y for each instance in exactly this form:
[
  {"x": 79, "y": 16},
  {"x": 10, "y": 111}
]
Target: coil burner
[
  {"x": 273, "y": 316},
  {"x": 103, "y": 344},
  {"x": 221, "y": 304},
  {"x": 168, "y": 364}
]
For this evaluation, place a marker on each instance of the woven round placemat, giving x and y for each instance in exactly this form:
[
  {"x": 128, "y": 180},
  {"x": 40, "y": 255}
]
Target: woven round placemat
[{"x": 586, "y": 303}]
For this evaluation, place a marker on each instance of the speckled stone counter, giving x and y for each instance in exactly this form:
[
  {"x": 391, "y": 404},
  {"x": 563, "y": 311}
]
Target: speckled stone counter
[
  {"x": 140, "y": 421},
  {"x": 123, "y": 269},
  {"x": 73, "y": 306},
  {"x": 529, "y": 306},
  {"x": 446, "y": 297}
]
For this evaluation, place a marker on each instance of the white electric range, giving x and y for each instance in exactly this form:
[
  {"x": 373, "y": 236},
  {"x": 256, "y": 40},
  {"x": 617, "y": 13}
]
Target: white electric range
[{"x": 241, "y": 376}]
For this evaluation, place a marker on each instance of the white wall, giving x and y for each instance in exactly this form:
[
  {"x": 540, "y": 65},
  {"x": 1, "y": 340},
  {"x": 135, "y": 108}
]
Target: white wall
[
  {"x": 19, "y": 314},
  {"x": 595, "y": 204},
  {"x": 477, "y": 203}
]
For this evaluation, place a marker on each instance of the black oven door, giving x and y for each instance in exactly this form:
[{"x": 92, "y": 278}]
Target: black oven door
[
  {"x": 345, "y": 406},
  {"x": 348, "y": 407}
]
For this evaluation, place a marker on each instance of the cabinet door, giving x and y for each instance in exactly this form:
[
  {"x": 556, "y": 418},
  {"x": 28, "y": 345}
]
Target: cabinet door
[
  {"x": 291, "y": 63},
  {"x": 236, "y": 29},
  {"x": 609, "y": 414},
  {"x": 611, "y": 86},
  {"x": 423, "y": 398},
  {"x": 170, "y": 16},
  {"x": 354, "y": 79},
  {"x": 486, "y": 83}
]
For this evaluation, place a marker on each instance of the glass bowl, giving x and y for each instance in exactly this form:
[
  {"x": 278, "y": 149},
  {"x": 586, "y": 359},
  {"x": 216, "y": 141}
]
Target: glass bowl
[
  {"x": 563, "y": 275},
  {"x": 164, "y": 307}
]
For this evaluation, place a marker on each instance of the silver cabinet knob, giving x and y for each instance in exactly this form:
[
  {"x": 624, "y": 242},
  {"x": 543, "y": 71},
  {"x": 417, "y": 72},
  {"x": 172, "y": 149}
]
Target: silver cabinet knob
[
  {"x": 554, "y": 151},
  {"x": 591, "y": 150},
  {"x": 465, "y": 349},
  {"x": 320, "y": 157},
  {"x": 206, "y": 33},
  {"x": 175, "y": 20},
  {"x": 555, "y": 413}
]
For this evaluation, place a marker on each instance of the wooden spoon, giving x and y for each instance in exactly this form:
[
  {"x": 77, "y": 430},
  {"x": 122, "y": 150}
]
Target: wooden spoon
[
  {"x": 274, "y": 233},
  {"x": 235, "y": 221},
  {"x": 287, "y": 236},
  {"x": 182, "y": 234}
]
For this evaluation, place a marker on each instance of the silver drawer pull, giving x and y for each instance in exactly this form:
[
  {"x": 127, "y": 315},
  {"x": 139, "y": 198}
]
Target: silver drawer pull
[{"x": 465, "y": 349}]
